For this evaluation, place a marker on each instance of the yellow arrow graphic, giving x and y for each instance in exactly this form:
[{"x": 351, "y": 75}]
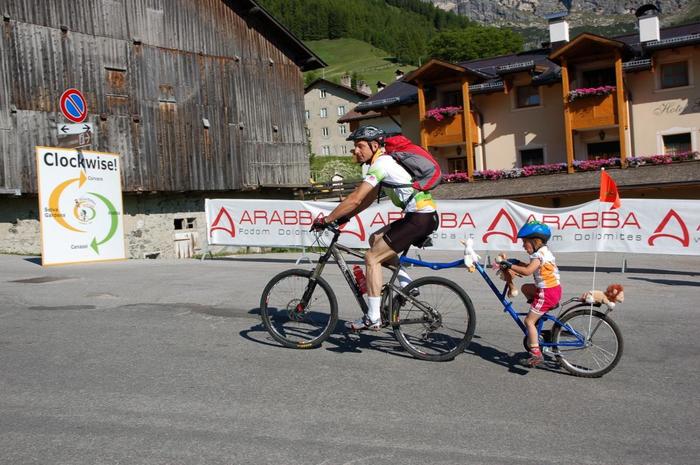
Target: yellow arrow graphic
[{"x": 56, "y": 195}]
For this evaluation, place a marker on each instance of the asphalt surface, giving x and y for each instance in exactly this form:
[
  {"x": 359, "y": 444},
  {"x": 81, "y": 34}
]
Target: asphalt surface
[{"x": 166, "y": 362}]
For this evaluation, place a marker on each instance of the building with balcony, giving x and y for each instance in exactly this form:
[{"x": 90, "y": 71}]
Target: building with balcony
[{"x": 574, "y": 100}]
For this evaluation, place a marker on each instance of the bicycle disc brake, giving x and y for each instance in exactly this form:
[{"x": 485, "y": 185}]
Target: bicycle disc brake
[{"x": 295, "y": 310}]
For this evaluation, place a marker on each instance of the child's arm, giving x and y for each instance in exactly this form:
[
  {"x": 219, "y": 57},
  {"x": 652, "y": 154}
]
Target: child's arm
[{"x": 523, "y": 270}]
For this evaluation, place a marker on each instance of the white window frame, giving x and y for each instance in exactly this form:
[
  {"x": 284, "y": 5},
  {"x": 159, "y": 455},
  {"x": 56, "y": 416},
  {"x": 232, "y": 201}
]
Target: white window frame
[
  {"x": 545, "y": 158},
  {"x": 341, "y": 110},
  {"x": 307, "y": 114},
  {"x": 325, "y": 150},
  {"x": 514, "y": 100},
  {"x": 322, "y": 93},
  {"x": 661, "y": 147},
  {"x": 323, "y": 113},
  {"x": 670, "y": 60},
  {"x": 325, "y": 132},
  {"x": 342, "y": 129}
]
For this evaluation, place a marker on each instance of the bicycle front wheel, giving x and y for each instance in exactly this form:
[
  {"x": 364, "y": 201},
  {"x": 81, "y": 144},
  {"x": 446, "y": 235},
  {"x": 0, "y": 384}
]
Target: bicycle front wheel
[
  {"x": 288, "y": 320},
  {"x": 602, "y": 347},
  {"x": 437, "y": 322}
]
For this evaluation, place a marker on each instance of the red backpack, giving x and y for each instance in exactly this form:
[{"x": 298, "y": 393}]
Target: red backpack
[{"x": 424, "y": 169}]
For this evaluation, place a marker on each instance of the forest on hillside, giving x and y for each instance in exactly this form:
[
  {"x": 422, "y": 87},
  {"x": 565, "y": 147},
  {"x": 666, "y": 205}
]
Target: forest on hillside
[{"x": 405, "y": 28}]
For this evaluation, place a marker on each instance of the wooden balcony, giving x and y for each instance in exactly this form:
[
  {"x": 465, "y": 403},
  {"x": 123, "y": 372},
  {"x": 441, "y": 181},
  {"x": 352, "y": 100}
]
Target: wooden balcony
[
  {"x": 593, "y": 112},
  {"x": 450, "y": 131}
]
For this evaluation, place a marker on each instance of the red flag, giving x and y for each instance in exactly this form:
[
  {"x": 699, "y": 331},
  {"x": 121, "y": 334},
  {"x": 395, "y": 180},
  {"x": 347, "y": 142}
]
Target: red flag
[{"x": 608, "y": 190}]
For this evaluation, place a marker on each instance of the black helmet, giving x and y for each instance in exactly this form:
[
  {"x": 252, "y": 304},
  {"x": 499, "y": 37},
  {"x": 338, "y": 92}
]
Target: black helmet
[{"x": 367, "y": 133}]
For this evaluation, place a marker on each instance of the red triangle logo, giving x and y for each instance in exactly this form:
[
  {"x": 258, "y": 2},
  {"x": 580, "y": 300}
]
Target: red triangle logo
[
  {"x": 685, "y": 239},
  {"x": 223, "y": 222},
  {"x": 512, "y": 235}
]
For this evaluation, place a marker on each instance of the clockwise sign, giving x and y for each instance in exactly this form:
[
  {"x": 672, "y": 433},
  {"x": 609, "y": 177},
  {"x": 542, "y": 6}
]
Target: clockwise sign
[{"x": 73, "y": 105}]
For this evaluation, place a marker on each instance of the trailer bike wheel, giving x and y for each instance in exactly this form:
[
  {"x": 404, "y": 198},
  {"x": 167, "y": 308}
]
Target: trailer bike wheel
[
  {"x": 288, "y": 320},
  {"x": 436, "y": 322},
  {"x": 602, "y": 347}
]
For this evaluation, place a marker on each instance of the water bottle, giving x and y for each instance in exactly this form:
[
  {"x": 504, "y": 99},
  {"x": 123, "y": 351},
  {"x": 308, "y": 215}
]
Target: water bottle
[{"x": 360, "y": 278}]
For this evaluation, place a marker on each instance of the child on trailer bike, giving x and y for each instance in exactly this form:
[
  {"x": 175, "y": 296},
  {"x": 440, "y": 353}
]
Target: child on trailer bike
[{"x": 545, "y": 294}]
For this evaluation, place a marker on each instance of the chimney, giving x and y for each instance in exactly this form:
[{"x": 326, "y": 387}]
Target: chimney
[
  {"x": 346, "y": 80},
  {"x": 380, "y": 86},
  {"x": 648, "y": 19},
  {"x": 558, "y": 28},
  {"x": 363, "y": 87}
]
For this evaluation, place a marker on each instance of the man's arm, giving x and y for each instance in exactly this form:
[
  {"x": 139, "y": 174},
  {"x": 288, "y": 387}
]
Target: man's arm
[{"x": 358, "y": 200}]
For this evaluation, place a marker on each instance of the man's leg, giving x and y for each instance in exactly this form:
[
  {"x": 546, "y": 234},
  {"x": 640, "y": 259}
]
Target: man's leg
[{"x": 379, "y": 253}]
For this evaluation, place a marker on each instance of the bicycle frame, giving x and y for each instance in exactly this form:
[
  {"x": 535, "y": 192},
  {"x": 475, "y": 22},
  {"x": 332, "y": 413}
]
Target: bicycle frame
[
  {"x": 336, "y": 251},
  {"x": 471, "y": 260}
]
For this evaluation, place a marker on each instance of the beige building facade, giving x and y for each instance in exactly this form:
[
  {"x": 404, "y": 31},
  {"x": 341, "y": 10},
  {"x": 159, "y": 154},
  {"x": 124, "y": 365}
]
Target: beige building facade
[
  {"x": 540, "y": 107},
  {"x": 325, "y": 102}
]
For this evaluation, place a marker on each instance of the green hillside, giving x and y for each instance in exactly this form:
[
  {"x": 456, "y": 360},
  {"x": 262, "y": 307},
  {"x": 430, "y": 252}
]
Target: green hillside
[{"x": 354, "y": 56}]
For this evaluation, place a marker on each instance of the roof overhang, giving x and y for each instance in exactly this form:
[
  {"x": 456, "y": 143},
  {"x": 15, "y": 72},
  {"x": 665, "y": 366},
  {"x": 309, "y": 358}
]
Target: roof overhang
[
  {"x": 277, "y": 33},
  {"x": 437, "y": 70},
  {"x": 586, "y": 45},
  {"x": 336, "y": 86}
]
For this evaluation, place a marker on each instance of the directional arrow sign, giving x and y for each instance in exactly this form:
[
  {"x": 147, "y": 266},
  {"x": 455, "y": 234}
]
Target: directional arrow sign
[{"x": 66, "y": 129}]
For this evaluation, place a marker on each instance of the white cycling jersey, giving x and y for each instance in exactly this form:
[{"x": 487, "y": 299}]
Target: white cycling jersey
[{"x": 385, "y": 169}]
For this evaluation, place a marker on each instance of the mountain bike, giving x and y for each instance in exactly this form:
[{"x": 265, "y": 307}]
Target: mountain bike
[
  {"x": 432, "y": 317},
  {"x": 585, "y": 342}
]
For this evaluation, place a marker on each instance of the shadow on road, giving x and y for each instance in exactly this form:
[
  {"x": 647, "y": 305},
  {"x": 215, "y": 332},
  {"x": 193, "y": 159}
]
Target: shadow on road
[
  {"x": 616, "y": 269},
  {"x": 339, "y": 341},
  {"x": 511, "y": 361},
  {"x": 668, "y": 282},
  {"x": 569, "y": 268}
]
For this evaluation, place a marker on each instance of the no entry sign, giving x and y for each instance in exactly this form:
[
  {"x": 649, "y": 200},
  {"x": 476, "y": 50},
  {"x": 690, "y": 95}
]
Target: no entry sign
[{"x": 73, "y": 105}]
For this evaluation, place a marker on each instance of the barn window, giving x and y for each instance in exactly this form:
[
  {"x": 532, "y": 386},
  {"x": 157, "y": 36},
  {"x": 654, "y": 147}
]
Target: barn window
[{"x": 116, "y": 91}]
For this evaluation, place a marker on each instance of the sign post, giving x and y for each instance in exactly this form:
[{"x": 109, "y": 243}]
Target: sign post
[
  {"x": 80, "y": 205},
  {"x": 74, "y": 108}
]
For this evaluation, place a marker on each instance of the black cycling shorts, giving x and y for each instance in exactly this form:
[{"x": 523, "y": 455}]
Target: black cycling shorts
[{"x": 413, "y": 227}]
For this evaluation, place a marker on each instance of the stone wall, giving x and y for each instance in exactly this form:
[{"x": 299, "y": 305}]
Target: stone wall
[{"x": 151, "y": 222}]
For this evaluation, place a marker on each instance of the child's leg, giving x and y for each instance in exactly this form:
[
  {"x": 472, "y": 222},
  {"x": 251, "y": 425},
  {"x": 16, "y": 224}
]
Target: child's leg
[{"x": 531, "y": 326}]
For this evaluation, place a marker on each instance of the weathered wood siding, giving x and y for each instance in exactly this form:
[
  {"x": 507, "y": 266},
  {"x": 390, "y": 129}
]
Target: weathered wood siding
[{"x": 152, "y": 71}]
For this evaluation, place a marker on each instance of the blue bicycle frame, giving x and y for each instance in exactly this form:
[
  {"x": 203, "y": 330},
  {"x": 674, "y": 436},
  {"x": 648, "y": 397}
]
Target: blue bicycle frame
[{"x": 507, "y": 305}]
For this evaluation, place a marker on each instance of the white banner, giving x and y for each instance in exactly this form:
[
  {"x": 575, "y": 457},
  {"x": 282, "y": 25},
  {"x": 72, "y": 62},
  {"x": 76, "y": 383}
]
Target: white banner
[
  {"x": 639, "y": 226},
  {"x": 80, "y": 206}
]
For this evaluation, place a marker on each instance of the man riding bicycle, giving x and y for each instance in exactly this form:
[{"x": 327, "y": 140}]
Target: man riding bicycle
[{"x": 420, "y": 217}]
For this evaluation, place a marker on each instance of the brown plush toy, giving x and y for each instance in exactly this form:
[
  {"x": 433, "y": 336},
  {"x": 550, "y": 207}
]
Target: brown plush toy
[
  {"x": 612, "y": 295},
  {"x": 506, "y": 276}
]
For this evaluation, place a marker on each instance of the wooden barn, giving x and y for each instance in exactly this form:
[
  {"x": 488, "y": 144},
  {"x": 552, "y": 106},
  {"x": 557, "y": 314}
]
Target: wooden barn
[{"x": 199, "y": 97}]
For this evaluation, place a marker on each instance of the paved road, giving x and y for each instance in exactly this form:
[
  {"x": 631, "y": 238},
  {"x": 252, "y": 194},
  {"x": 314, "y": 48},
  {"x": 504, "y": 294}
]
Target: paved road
[{"x": 165, "y": 362}]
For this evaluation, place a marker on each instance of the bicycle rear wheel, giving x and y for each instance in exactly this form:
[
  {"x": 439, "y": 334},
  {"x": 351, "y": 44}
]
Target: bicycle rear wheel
[
  {"x": 287, "y": 320},
  {"x": 436, "y": 324},
  {"x": 603, "y": 343}
]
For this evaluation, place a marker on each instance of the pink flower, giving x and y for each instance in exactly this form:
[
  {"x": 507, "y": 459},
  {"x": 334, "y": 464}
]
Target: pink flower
[{"x": 438, "y": 114}]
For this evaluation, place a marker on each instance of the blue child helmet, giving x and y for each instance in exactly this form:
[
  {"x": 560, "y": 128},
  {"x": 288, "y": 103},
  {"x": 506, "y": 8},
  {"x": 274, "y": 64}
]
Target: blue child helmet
[{"x": 536, "y": 229}]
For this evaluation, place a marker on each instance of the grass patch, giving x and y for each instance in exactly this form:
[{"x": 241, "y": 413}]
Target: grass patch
[
  {"x": 351, "y": 55},
  {"x": 324, "y": 167}
]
